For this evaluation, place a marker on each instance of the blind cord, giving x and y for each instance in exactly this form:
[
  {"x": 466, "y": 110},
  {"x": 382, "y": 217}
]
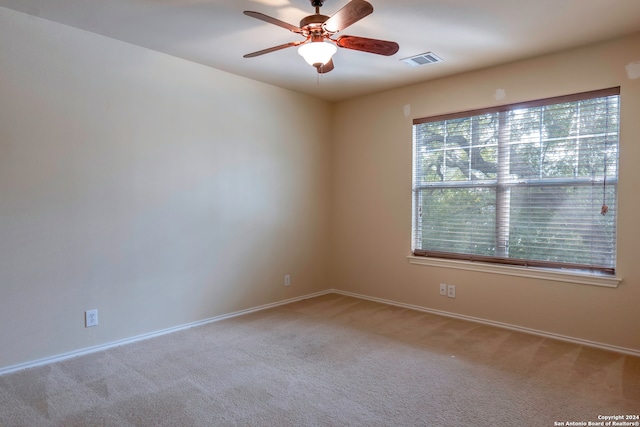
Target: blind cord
[{"x": 605, "y": 208}]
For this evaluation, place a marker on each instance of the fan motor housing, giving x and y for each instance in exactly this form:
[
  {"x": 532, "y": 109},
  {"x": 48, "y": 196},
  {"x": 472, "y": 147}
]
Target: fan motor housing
[
  {"x": 310, "y": 20},
  {"x": 312, "y": 24}
]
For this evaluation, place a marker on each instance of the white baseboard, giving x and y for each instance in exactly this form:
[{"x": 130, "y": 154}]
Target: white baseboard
[
  {"x": 88, "y": 350},
  {"x": 579, "y": 341},
  {"x": 101, "y": 347}
]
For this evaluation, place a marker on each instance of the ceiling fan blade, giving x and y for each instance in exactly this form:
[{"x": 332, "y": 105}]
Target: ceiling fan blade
[
  {"x": 270, "y": 20},
  {"x": 380, "y": 47},
  {"x": 354, "y": 11},
  {"x": 272, "y": 49},
  {"x": 326, "y": 67}
]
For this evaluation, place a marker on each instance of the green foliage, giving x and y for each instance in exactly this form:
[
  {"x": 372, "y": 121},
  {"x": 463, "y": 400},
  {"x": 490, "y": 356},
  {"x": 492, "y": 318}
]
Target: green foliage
[
  {"x": 459, "y": 220},
  {"x": 563, "y": 142},
  {"x": 542, "y": 225}
]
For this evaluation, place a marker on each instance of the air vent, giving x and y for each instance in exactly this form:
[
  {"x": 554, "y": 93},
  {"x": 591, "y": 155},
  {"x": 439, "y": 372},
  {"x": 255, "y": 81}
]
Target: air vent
[{"x": 422, "y": 59}]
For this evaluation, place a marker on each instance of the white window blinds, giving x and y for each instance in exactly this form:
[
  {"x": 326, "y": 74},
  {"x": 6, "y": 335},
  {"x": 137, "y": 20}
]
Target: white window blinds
[{"x": 529, "y": 184}]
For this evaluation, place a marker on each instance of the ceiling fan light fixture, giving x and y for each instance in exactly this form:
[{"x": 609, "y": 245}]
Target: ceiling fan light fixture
[
  {"x": 319, "y": 47},
  {"x": 317, "y": 54}
]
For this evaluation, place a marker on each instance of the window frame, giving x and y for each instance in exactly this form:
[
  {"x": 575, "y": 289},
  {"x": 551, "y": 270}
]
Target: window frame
[{"x": 514, "y": 266}]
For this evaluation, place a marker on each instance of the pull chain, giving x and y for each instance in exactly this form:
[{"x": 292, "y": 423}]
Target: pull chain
[{"x": 605, "y": 208}]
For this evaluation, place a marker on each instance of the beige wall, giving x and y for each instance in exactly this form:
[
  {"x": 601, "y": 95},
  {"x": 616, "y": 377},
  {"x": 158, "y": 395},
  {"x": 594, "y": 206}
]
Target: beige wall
[
  {"x": 156, "y": 190},
  {"x": 371, "y": 199},
  {"x": 162, "y": 192}
]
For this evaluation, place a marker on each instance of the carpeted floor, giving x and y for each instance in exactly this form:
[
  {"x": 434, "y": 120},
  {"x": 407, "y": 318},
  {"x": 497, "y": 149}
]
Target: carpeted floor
[{"x": 329, "y": 361}]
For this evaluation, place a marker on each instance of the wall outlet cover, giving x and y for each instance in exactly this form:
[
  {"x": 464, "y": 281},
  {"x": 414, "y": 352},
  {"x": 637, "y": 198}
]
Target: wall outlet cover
[
  {"x": 451, "y": 291},
  {"x": 90, "y": 318}
]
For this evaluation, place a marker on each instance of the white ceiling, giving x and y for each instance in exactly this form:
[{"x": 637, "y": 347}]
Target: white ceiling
[{"x": 467, "y": 34}]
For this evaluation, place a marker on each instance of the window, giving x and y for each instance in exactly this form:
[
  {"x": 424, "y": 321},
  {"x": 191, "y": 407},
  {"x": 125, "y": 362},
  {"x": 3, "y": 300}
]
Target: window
[{"x": 531, "y": 184}]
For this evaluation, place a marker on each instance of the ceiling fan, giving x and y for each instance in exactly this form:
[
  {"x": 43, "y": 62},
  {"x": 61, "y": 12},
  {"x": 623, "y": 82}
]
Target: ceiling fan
[{"x": 318, "y": 46}]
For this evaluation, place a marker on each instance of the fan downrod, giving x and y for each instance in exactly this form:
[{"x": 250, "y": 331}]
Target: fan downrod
[{"x": 317, "y": 4}]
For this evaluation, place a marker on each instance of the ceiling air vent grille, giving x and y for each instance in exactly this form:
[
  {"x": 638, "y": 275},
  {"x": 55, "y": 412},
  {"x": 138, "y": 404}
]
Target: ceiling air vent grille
[{"x": 422, "y": 59}]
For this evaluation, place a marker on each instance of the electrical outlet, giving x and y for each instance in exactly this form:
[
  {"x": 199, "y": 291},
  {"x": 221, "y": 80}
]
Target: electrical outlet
[
  {"x": 287, "y": 280},
  {"x": 443, "y": 289},
  {"x": 451, "y": 291},
  {"x": 90, "y": 318}
]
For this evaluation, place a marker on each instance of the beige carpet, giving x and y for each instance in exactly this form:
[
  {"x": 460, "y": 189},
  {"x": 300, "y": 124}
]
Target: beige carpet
[{"x": 328, "y": 361}]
